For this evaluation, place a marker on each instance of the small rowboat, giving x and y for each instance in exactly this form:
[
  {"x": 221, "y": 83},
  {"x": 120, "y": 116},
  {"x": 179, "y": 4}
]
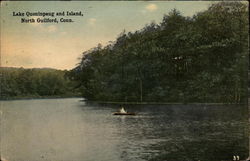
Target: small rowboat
[{"x": 121, "y": 113}]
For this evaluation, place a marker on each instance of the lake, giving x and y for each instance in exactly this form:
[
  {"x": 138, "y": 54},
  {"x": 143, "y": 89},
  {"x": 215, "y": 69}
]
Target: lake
[{"x": 72, "y": 130}]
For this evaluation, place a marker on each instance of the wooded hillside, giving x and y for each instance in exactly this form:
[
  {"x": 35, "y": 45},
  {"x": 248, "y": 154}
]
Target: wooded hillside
[
  {"x": 20, "y": 82},
  {"x": 183, "y": 59}
]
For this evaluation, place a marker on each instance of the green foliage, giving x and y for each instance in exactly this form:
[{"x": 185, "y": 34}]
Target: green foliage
[
  {"x": 183, "y": 59},
  {"x": 20, "y": 82}
]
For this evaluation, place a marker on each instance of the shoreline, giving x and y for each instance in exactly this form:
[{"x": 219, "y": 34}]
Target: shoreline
[
  {"x": 160, "y": 103},
  {"x": 118, "y": 103},
  {"x": 37, "y": 97}
]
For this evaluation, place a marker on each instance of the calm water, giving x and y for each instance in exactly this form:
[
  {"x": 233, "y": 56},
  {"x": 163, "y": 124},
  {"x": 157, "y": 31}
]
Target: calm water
[{"x": 71, "y": 130}]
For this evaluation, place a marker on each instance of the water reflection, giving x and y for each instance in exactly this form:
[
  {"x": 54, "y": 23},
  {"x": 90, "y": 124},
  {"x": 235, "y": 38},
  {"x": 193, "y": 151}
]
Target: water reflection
[
  {"x": 181, "y": 133},
  {"x": 69, "y": 129}
]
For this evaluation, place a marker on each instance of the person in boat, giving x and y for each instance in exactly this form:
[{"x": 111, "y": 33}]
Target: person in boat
[{"x": 122, "y": 110}]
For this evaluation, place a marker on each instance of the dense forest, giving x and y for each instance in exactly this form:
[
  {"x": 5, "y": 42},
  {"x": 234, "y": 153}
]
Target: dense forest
[
  {"x": 29, "y": 83},
  {"x": 202, "y": 58}
]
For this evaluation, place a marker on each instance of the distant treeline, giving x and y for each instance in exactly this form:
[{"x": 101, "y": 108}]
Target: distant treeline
[
  {"x": 182, "y": 59},
  {"x": 29, "y": 83}
]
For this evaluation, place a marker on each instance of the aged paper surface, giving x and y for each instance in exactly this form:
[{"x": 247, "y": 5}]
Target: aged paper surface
[{"x": 124, "y": 80}]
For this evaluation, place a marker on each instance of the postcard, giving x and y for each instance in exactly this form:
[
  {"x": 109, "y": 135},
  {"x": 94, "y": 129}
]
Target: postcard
[{"x": 124, "y": 81}]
